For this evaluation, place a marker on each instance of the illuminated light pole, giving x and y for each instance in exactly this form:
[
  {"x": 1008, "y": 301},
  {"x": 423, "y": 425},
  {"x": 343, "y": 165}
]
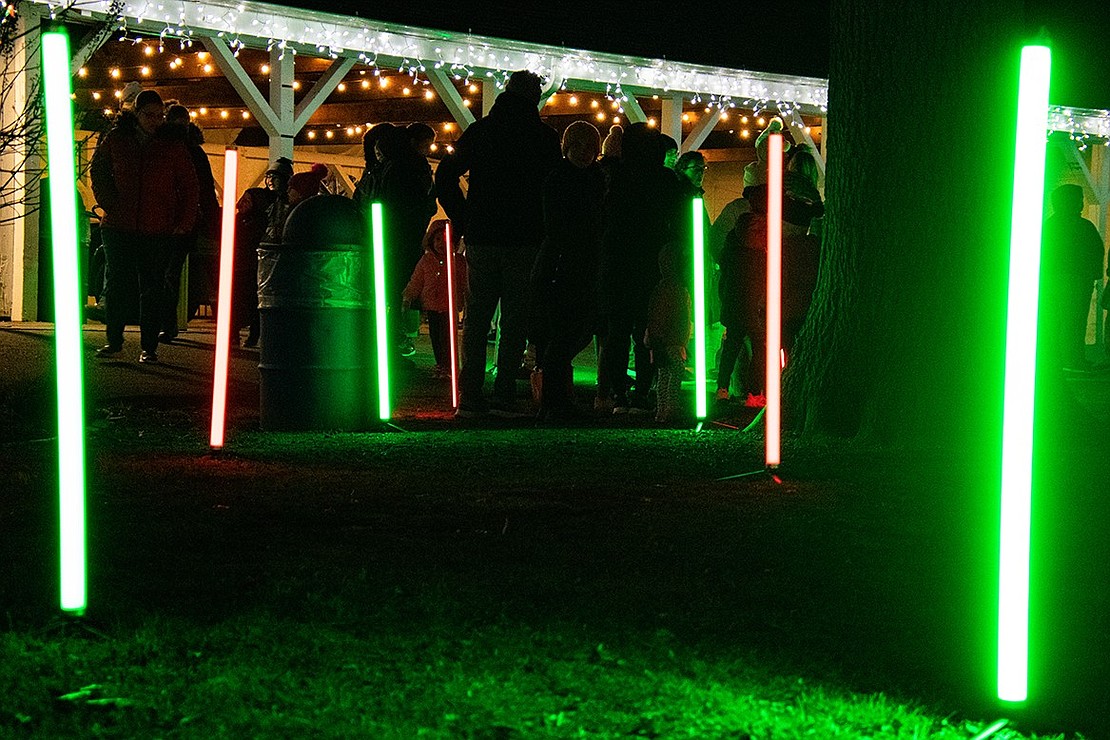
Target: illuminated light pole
[
  {"x": 452, "y": 316},
  {"x": 1021, "y": 357},
  {"x": 223, "y": 317},
  {"x": 377, "y": 230},
  {"x": 700, "y": 410},
  {"x": 67, "y": 322},
  {"x": 774, "y": 302}
]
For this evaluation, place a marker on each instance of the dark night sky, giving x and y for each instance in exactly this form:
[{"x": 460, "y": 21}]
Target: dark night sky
[{"x": 742, "y": 34}]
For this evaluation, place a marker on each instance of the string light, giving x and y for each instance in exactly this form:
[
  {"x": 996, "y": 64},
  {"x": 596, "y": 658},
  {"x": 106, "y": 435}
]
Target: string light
[
  {"x": 148, "y": 50},
  {"x": 296, "y": 84},
  {"x": 114, "y": 73},
  {"x": 651, "y": 122},
  {"x": 365, "y": 84},
  {"x": 434, "y": 147},
  {"x": 686, "y": 117},
  {"x": 473, "y": 88},
  {"x": 83, "y": 72},
  {"x": 224, "y": 114},
  {"x": 246, "y": 115},
  {"x": 341, "y": 87},
  {"x": 406, "y": 91},
  {"x": 616, "y": 119},
  {"x": 203, "y": 111},
  {"x": 573, "y": 100},
  {"x": 265, "y": 69},
  {"x": 594, "y": 104},
  {"x": 600, "y": 115},
  {"x": 329, "y": 134},
  {"x": 383, "y": 82},
  {"x": 761, "y": 121},
  {"x": 744, "y": 134},
  {"x": 95, "y": 95},
  {"x": 448, "y": 126},
  {"x": 311, "y": 134},
  {"x": 145, "y": 71},
  {"x": 429, "y": 95},
  {"x": 207, "y": 68}
]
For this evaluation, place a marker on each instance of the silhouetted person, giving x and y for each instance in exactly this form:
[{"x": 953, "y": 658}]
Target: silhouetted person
[
  {"x": 407, "y": 194},
  {"x": 1071, "y": 262},
  {"x": 208, "y": 221},
  {"x": 509, "y": 154},
  {"x": 645, "y": 210},
  {"x": 260, "y": 215},
  {"x": 144, "y": 179},
  {"x": 565, "y": 279}
]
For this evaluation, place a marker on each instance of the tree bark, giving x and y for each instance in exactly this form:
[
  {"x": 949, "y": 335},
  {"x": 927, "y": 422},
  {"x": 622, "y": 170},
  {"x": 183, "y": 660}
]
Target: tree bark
[{"x": 904, "y": 340}]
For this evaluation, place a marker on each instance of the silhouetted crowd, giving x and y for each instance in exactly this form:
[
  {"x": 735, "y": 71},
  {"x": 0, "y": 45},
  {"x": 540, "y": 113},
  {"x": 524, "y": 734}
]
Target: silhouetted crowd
[{"x": 557, "y": 244}]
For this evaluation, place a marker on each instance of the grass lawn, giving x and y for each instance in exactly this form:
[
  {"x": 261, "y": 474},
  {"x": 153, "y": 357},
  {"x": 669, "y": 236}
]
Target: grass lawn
[{"x": 506, "y": 581}]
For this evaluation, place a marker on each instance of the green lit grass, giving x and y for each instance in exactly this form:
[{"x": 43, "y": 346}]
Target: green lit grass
[{"x": 259, "y": 675}]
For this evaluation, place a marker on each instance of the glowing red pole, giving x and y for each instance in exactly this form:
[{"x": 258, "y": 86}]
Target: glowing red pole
[
  {"x": 774, "y": 301},
  {"x": 223, "y": 317},
  {"x": 452, "y": 316}
]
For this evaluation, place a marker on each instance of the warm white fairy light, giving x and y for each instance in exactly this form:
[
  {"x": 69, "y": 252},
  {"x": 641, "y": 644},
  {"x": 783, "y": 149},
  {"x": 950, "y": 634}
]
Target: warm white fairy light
[
  {"x": 341, "y": 87},
  {"x": 243, "y": 23}
]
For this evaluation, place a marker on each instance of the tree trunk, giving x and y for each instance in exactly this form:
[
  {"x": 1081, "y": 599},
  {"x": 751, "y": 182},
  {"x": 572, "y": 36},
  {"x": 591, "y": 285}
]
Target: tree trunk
[{"x": 905, "y": 338}]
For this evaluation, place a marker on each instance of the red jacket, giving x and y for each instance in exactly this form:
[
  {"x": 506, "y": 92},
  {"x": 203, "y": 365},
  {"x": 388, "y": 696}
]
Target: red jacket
[
  {"x": 428, "y": 284},
  {"x": 145, "y": 186}
]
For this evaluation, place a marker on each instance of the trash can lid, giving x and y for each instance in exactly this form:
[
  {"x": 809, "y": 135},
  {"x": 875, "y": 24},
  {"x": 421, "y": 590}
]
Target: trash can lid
[{"x": 325, "y": 222}]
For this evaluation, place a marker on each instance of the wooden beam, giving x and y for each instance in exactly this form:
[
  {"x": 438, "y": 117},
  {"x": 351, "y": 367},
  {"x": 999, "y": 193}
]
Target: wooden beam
[
  {"x": 671, "y": 117},
  {"x": 320, "y": 91},
  {"x": 701, "y": 131},
  {"x": 632, "y": 110},
  {"x": 281, "y": 102},
  {"x": 489, "y": 95},
  {"x": 798, "y": 131},
  {"x": 243, "y": 85},
  {"x": 450, "y": 96}
]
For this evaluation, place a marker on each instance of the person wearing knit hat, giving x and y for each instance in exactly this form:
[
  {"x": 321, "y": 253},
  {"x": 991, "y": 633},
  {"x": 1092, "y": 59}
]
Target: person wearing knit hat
[
  {"x": 304, "y": 185},
  {"x": 528, "y": 85},
  {"x": 144, "y": 180},
  {"x": 508, "y": 154}
]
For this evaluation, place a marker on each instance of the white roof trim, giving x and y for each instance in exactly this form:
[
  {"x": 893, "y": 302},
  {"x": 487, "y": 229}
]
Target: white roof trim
[{"x": 263, "y": 25}]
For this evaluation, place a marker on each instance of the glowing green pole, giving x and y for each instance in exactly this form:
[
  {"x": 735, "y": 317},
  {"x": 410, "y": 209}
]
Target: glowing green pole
[
  {"x": 1021, "y": 350},
  {"x": 377, "y": 229},
  {"x": 700, "y": 409},
  {"x": 67, "y": 320}
]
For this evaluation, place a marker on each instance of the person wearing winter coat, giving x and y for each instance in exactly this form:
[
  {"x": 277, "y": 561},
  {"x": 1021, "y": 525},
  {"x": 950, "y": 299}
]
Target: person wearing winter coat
[
  {"x": 260, "y": 215},
  {"x": 427, "y": 291},
  {"x": 567, "y": 270},
  {"x": 1071, "y": 263},
  {"x": 669, "y": 329},
  {"x": 645, "y": 210},
  {"x": 208, "y": 219},
  {"x": 743, "y": 284},
  {"x": 407, "y": 195},
  {"x": 508, "y": 154},
  {"x": 144, "y": 180}
]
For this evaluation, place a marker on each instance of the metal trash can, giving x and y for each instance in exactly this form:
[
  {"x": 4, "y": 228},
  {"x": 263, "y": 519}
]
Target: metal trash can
[{"x": 317, "y": 362}]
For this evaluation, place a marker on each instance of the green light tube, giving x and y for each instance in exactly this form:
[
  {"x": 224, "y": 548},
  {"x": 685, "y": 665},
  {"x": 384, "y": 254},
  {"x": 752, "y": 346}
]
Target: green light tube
[
  {"x": 700, "y": 405},
  {"x": 1021, "y": 350},
  {"x": 67, "y": 321},
  {"x": 377, "y": 229}
]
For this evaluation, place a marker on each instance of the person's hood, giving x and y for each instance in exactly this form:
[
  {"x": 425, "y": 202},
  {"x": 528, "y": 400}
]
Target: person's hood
[{"x": 511, "y": 105}]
